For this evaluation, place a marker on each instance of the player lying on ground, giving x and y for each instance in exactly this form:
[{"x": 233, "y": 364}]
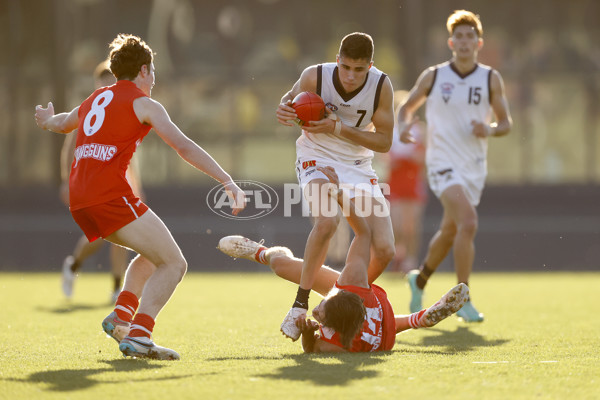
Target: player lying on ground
[{"x": 354, "y": 316}]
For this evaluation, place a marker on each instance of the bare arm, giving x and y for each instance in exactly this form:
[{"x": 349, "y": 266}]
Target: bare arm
[
  {"x": 379, "y": 140},
  {"x": 499, "y": 104},
  {"x": 153, "y": 113},
  {"x": 66, "y": 159},
  {"x": 306, "y": 83},
  {"x": 322, "y": 346},
  {"x": 59, "y": 123},
  {"x": 311, "y": 342},
  {"x": 416, "y": 98}
]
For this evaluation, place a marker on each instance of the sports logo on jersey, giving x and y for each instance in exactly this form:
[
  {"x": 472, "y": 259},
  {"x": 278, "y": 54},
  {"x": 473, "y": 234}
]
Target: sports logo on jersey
[
  {"x": 373, "y": 181},
  {"x": 100, "y": 152},
  {"x": 308, "y": 164},
  {"x": 447, "y": 173},
  {"x": 331, "y": 107},
  {"x": 447, "y": 89}
]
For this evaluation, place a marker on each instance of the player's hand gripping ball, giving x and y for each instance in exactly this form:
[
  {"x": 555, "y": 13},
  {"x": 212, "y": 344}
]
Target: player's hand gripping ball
[{"x": 309, "y": 106}]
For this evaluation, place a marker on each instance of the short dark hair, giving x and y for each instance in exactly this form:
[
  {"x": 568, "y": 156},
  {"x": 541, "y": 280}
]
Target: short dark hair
[
  {"x": 127, "y": 55},
  {"x": 357, "y": 46},
  {"x": 345, "y": 313}
]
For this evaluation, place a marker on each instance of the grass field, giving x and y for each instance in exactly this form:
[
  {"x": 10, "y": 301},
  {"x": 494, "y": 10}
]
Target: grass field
[{"x": 539, "y": 341}]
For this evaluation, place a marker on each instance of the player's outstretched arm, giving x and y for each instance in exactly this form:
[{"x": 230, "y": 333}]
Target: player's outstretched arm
[
  {"x": 153, "y": 113},
  {"x": 59, "y": 123}
]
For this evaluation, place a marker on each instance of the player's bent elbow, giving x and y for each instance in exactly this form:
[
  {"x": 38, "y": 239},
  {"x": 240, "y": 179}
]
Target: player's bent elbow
[{"x": 384, "y": 146}]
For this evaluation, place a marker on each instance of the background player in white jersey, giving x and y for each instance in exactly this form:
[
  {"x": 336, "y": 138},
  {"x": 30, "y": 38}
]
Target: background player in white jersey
[
  {"x": 461, "y": 96},
  {"x": 357, "y": 94}
]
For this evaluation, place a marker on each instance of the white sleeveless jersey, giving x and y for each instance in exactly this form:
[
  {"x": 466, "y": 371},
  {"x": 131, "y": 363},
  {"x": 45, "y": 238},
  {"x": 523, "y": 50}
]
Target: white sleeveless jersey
[
  {"x": 453, "y": 102},
  {"x": 354, "y": 109}
]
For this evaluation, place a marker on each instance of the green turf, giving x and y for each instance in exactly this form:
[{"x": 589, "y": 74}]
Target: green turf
[{"x": 539, "y": 341}]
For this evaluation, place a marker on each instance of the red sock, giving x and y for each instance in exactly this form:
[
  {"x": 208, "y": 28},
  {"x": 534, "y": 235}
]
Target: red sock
[
  {"x": 127, "y": 304},
  {"x": 260, "y": 255},
  {"x": 414, "y": 319},
  {"x": 142, "y": 325}
]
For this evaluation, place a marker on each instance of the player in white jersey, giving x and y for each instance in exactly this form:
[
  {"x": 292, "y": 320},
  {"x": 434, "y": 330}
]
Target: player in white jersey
[
  {"x": 357, "y": 96},
  {"x": 461, "y": 97}
]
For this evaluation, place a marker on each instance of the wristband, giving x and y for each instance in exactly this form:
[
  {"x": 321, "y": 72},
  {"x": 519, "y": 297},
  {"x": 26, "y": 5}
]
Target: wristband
[
  {"x": 491, "y": 129},
  {"x": 338, "y": 128}
]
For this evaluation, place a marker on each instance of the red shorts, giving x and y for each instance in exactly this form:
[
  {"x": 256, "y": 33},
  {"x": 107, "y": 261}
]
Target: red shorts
[
  {"x": 101, "y": 220},
  {"x": 407, "y": 181}
]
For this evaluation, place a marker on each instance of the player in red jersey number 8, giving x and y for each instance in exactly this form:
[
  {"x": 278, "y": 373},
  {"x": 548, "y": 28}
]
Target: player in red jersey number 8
[{"x": 102, "y": 202}]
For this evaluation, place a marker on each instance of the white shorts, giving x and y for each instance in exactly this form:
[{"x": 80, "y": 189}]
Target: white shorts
[
  {"x": 356, "y": 179},
  {"x": 442, "y": 176}
]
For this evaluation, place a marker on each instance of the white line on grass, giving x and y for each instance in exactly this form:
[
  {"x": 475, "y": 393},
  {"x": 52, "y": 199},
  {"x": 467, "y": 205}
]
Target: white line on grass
[
  {"x": 507, "y": 362},
  {"x": 491, "y": 362}
]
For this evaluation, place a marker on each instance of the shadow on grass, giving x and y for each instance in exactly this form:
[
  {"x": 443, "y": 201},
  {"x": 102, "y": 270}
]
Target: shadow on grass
[
  {"x": 331, "y": 369},
  {"x": 68, "y": 380},
  {"x": 70, "y": 307},
  {"x": 460, "y": 340}
]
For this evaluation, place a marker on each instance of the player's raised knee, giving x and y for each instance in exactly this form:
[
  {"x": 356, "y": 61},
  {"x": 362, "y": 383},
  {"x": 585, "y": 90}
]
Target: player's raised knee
[
  {"x": 384, "y": 253},
  {"x": 326, "y": 226},
  {"x": 179, "y": 266}
]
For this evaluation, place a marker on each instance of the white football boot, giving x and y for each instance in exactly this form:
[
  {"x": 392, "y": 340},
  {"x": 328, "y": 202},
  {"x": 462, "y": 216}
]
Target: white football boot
[
  {"x": 288, "y": 326},
  {"x": 68, "y": 276},
  {"x": 240, "y": 247},
  {"x": 143, "y": 347},
  {"x": 450, "y": 303}
]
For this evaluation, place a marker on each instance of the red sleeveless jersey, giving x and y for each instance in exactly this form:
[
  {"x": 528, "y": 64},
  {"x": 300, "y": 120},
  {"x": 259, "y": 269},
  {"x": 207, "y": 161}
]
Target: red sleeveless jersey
[
  {"x": 379, "y": 329},
  {"x": 107, "y": 136}
]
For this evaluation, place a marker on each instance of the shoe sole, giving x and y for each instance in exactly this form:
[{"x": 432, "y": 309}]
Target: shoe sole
[{"x": 450, "y": 303}]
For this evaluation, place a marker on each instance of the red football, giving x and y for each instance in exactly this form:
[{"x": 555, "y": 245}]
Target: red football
[{"x": 309, "y": 106}]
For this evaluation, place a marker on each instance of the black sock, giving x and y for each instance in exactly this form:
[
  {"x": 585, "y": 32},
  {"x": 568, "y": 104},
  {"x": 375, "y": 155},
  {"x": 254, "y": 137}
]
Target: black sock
[
  {"x": 423, "y": 276},
  {"x": 75, "y": 266},
  {"x": 301, "y": 298}
]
